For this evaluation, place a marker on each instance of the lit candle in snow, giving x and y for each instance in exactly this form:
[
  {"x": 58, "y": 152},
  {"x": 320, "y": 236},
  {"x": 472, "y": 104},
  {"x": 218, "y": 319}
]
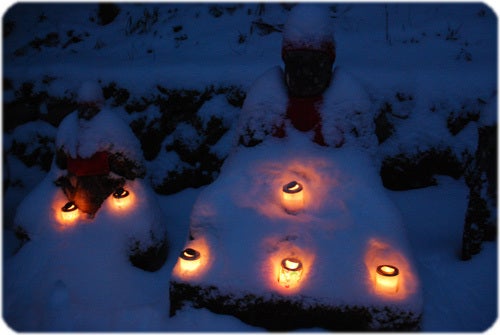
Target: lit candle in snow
[
  {"x": 290, "y": 272},
  {"x": 69, "y": 212},
  {"x": 387, "y": 278},
  {"x": 293, "y": 197},
  {"x": 122, "y": 198},
  {"x": 190, "y": 259}
]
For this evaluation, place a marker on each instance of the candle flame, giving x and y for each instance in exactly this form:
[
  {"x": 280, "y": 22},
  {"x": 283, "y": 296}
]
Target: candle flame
[
  {"x": 121, "y": 193},
  {"x": 68, "y": 214},
  {"x": 388, "y": 270},
  {"x": 396, "y": 281},
  {"x": 194, "y": 260},
  {"x": 292, "y": 187},
  {"x": 190, "y": 254},
  {"x": 291, "y": 264},
  {"x": 293, "y": 197},
  {"x": 290, "y": 273},
  {"x": 69, "y": 207},
  {"x": 123, "y": 201}
]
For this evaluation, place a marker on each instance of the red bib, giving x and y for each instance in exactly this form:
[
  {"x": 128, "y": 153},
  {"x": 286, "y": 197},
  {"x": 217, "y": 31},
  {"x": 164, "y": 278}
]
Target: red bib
[
  {"x": 97, "y": 164},
  {"x": 303, "y": 112},
  {"x": 304, "y": 115}
]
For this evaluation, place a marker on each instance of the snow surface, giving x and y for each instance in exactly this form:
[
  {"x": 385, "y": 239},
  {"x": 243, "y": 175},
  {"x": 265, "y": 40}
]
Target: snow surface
[{"x": 89, "y": 286}]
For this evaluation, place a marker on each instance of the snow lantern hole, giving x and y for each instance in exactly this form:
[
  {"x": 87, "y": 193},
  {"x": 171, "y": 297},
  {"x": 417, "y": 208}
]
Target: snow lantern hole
[
  {"x": 290, "y": 272},
  {"x": 194, "y": 260},
  {"x": 69, "y": 213},
  {"x": 122, "y": 199},
  {"x": 387, "y": 278},
  {"x": 293, "y": 197},
  {"x": 190, "y": 260},
  {"x": 389, "y": 272}
]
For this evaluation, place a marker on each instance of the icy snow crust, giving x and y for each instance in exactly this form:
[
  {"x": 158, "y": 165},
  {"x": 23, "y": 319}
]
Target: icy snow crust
[{"x": 347, "y": 215}]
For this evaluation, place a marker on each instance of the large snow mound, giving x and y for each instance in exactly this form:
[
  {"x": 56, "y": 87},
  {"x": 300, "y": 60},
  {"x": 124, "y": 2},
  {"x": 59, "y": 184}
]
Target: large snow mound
[{"x": 346, "y": 228}]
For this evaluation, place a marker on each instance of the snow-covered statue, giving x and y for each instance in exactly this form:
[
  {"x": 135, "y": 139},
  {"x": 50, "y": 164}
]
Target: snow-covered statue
[
  {"x": 294, "y": 234},
  {"x": 97, "y": 179},
  {"x": 311, "y": 94},
  {"x": 96, "y": 155},
  {"x": 90, "y": 229}
]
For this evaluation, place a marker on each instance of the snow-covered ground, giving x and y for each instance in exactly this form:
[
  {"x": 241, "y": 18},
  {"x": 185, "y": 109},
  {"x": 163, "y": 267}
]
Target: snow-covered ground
[
  {"x": 443, "y": 56},
  {"x": 456, "y": 299}
]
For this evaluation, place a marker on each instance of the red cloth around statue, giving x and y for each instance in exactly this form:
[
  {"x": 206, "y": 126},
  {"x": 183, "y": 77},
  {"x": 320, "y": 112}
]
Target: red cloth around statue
[
  {"x": 303, "y": 112},
  {"x": 304, "y": 115},
  {"x": 96, "y": 165}
]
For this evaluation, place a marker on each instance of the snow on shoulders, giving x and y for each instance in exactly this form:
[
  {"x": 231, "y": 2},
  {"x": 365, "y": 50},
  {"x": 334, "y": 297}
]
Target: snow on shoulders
[
  {"x": 265, "y": 104},
  {"x": 347, "y": 106},
  {"x": 269, "y": 88},
  {"x": 67, "y": 134},
  {"x": 345, "y": 88}
]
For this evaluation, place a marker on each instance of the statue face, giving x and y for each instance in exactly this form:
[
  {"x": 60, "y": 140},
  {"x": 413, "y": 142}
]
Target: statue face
[
  {"x": 87, "y": 111},
  {"x": 89, "y": 192},
  {"x": 307, "y": 72}
]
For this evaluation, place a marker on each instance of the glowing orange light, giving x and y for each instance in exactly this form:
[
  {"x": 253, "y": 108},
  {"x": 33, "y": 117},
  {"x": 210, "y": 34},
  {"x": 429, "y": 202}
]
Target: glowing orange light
[
  {"x": 293, "y": 197},
  {"x": 122, "y": 198},
  {"x": 290, "y": 272},
  {"x": 287, "y": 269},
  {"x": 69, "y": 212},
  {"x": 387, "y": 278},
  {"x": 194, "y": 260},
  {"x": 190, "y": 260}
]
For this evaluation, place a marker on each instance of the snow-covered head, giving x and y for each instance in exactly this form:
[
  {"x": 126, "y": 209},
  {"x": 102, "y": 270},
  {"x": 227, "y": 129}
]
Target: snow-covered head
[
  {"x": 309, "y": 27},
  {"x": 90, "y": 100},
  {"x": 308, "y": 50}
]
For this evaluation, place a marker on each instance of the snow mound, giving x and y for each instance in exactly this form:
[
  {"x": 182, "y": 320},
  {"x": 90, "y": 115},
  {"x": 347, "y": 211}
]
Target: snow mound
[
  {"x": 79, "y": 264},
  {"x": 345, "y": 229}
]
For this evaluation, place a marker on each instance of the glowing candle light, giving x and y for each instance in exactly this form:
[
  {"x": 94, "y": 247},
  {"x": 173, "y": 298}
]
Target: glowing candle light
[
  {"x": 69, "y": 212},
  {"x": 189, "y": 259},
  {"x": 122, "y": 198},
  {"x": 293, "y": 197},
  {"x": 290, "y": 272},
  {"x": 387, "y": 278}
]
